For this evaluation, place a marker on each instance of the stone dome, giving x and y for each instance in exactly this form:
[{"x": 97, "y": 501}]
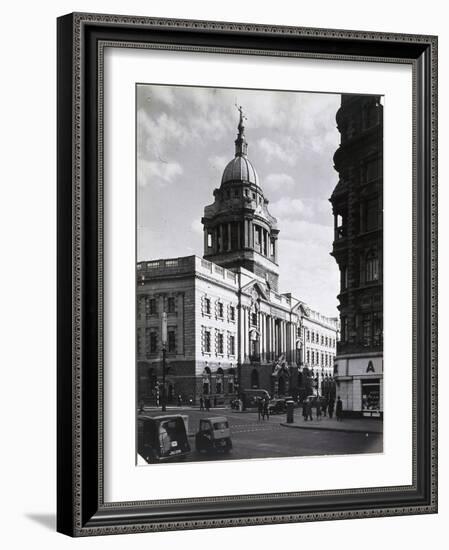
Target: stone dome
[{"x": 240, "y": 169}]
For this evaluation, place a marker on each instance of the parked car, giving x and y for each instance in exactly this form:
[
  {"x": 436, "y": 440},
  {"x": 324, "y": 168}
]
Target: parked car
[
  {"x": 279, "y": 405},
  {"x": 162, "y": 438},
  {"x": 213, "y": 435}
]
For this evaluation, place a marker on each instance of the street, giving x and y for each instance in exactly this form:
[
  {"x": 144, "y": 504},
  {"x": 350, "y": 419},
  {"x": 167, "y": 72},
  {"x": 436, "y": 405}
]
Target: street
[{"x": 253, "y": 438}]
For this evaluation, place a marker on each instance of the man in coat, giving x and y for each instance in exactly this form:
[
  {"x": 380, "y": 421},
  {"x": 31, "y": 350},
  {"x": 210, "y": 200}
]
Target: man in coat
[{"x": 339, "y": 409}]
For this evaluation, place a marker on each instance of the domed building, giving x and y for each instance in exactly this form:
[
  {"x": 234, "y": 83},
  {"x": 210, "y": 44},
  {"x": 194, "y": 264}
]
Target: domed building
[
  {"x": 239, "y": 231},
  {"x": 229, "y": 330}
]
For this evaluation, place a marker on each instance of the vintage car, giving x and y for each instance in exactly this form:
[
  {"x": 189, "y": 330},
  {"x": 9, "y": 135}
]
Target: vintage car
[
  {"x": 278, "y": 405},
  {"x": 213, "y": 435},
  {"x": 162, "y": 438}
]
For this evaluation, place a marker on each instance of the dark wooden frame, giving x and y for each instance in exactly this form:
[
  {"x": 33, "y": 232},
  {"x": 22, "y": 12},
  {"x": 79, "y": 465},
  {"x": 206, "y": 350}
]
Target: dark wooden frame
[{"x": 81, "y": 510}]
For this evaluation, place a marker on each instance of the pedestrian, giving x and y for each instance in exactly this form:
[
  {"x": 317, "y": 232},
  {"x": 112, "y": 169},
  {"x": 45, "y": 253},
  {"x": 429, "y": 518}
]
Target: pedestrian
[
  {"x": 318, "y": 408},
  {"x": 304, "y": 409},
  {"x": 330, "y": 407},
  {"x": 266, "y": 412},
  {"x": 207, "y": 402},
  {"x": 201, "y": 403},
  {"x": 309, "y": 410},
  {"x": 339, "y": 409},
  {"x": 324, "y": 406},
  {"x": 260, "y": 413},
  {"x": 179, "y": 400}
]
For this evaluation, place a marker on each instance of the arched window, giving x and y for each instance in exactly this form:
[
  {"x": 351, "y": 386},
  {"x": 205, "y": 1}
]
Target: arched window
[
  {"x": 254, "y": 379},
  {"x": 371, "y": 267}
]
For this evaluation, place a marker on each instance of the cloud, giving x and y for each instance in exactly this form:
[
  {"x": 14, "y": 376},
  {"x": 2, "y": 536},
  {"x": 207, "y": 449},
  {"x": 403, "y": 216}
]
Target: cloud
[
  {"x": 287, "y": 207},
  {"x": 290, "y": 208},
  {"x": 197, "y": 227},
  {"x": 218, "y": 162},
  {"x": 274, "y": 182},
  {"x": 163, "y": 94},
  {"x": 157, "y": 172},
  {"x": 273, "y": 150}
]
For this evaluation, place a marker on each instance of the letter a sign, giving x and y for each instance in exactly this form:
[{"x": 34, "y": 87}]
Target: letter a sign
[{"x": 370, "y": 367}]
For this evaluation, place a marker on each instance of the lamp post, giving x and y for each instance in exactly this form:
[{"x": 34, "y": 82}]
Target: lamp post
[{"x": 164, "y": 351}]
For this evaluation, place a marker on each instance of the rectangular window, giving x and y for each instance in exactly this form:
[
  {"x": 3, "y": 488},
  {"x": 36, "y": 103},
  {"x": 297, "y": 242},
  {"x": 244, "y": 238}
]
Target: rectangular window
[
  {"x": 308, "y": 357},
  {"x": 372, "y": 268},
  {"x": 254, "y": 319},
  {"x": 207, "y": 341},
  {"x": 371, "y": 170},
  {"x": 220, "y": 310},
  {"x": 153, "y": 342},
  {"x": 232, "y": 313},
  {"x": 209, "y": 240},
  {"x": 150, "y": 306},
  {"x": 220, "y": 343},
  {"x": 231, "y": 345},
  {"x": 366, "y": 329},
  {"x": 377, "y": 329},
  {"x": 171, "y": 341},
  {"x": 170, "y": 305},
  {"x": 207, "y": 306},
  {"x": 371, "y": 215}
]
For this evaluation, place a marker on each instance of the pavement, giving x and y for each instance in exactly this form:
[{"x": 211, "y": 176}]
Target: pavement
[{"x": 355, "y": 425}]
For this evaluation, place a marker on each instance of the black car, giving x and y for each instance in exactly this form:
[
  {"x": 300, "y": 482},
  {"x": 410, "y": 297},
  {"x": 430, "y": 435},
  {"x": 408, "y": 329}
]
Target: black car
[{"x": 279, "y": 405}]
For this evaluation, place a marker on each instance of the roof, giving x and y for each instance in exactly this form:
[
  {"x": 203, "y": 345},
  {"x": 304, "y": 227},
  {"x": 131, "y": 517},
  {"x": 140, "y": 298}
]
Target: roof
[{"x": 240, "y": 169}]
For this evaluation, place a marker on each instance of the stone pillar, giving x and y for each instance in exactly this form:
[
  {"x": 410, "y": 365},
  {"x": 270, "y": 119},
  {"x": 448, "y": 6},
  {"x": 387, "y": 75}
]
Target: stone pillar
[
  {"x": 180, "y": 325},
  {"x": 220, "y": 238},
  {"x": 262, "y": 338},
  {"x": 275, "y": 340},
  {"x": 229, "y": 235},
  {"x": 239, "y": 242}
]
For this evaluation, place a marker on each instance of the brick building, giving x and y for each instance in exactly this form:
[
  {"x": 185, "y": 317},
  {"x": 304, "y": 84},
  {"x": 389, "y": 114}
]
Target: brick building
[
  {"x": 357, "y": 207},
  {"x": 229, "y": 328}
]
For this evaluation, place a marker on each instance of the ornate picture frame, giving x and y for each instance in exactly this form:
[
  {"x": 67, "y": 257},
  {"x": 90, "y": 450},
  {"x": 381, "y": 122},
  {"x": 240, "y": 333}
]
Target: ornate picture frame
[{"x": 81, "y": 508}]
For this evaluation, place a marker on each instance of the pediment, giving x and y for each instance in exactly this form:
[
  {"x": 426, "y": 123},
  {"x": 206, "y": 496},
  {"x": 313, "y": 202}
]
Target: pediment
[
  {"x": 256, "y": 290},
  {"x": 302, "y": 309}
]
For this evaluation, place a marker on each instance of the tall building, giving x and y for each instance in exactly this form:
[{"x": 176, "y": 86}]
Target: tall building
[
  {"x": 357, "y": 203},
  {"x": 229, "y": 328}
]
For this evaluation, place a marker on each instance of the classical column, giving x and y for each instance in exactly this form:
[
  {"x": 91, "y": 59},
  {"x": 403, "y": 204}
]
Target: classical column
[
  {"x": 220, "y": 238},
  {"x": 275, "y": 339},
  {"x": 262, "y": 338},
  {"x": 229, "y": 236},
  {"x": 239, "y": 242}
]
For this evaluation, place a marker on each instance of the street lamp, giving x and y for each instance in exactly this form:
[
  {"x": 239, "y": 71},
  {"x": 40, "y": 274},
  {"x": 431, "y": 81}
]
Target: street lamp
[{"x": 164, "y": 351}]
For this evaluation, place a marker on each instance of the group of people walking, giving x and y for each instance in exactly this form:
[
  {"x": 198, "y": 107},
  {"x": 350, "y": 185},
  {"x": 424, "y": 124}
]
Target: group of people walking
[
  {"x": 204, "y": 403},
  {"x": 323, "y": 407}
]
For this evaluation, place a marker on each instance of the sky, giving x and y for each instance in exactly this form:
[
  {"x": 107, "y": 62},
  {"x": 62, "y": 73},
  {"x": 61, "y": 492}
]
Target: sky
[{"x": 185, "y": 138}]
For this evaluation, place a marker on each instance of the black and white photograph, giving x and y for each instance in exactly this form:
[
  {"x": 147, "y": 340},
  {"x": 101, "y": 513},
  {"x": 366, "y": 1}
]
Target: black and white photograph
[{"x": 259, "y": 273}]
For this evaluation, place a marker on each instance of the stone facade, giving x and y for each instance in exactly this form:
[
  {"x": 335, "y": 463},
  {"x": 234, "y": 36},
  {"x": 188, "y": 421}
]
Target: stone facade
[{"x": 358, "y": 249}]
